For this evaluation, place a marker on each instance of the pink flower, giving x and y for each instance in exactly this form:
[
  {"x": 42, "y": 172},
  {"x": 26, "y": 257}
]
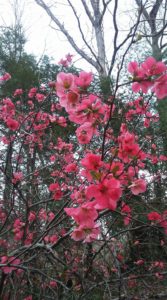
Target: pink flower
[
  {"x": 88, "y": 234},
  {"x": 61, "y": 121},
  {"x": 142, "y": 77},
  {"x": 53, "y": 187},
  {"x": 84, "y": 79},
  {"x": 143, "y": 85},
  {"x": 133, "y": 68},
  {"x": 139, "y": 262},
  {"x": 57, "y": 195},
  {"x": 63, "y": 62},
  {"x": 78, "y": 234},
  {"x": 40, "y": 97},
  {"x": 42, "y": 214},
  {"x": 84, "y": 133},
  {"x": 53, "y": 284},
  {"x": 92, "y": 164},
  {"x": 18, "y": 92},
  {"x": 32, "y": 92},
  {"x": 83, "y": 215},
  {"x": 12, "y": 124},
  {"x": 106, "y": 193},
  {"x": 53, "y": 238},
  {"x": 154, "y": 216},
  {"x": 91, "y": 161},
  {"x": 71, "y": 168},
  {"x": 90, "y": 109},
  {"x": 151, "y": 67},
  {"x": 5, "y": 77},
  {"x": 127, "y": 211},
  {"x": 139, "y": 77},
  {"x": 70, "y": 100},
  {"x": 138, "y": 186},
  {"x": 69, "y": 57},
  {"x": 7, "y": 260},
  {"x": 32, "y": 216},
  {"x": 65, "y": 81},
  {"x": 17, "y": 176},
  {"x": 160, "y": 87}
]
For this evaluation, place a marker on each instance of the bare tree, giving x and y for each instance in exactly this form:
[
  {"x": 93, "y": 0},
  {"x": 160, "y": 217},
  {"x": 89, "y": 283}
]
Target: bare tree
[{"x": 95, "y": 48}]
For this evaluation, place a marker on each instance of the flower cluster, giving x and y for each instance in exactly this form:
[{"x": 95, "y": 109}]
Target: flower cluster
[{"x": 150, "y": 74}]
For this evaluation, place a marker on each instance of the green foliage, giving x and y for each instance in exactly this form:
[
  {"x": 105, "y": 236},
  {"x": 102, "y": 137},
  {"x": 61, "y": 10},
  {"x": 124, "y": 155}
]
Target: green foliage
[
  {"x": 13, "y": 59},
  {"x": 162, "y": 109}
]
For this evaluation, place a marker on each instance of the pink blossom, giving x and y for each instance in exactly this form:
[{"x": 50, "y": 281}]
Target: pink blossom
[
  {"x": 18, "y": 92},
  {"x": 70, "y": 100},
  {"x": 139, "y": 262},
  {"x": 65, "y": 81},
  {"x": 52, "y": 158},
  {"x": 61, "y": 121},
  {"x": 5, "y": 77},
  {"x": 91, "y": 161},
  {"x": 85, "y": 133},
  {"x": 151, "y": 67},
  {"x": 71, "y": 168},
  {"x": 53, "y": 238},
  {"x": 90, "y": 109},
  {"x": 32, "y": 216},
  {"x": 88, "y": 234},
  {"x": 138, "y": 186},
  {"x": 92, "y": 164},
  {"x": 83, "y": 215},
  {"x": 12, "y": 124},
  {"x": 141, "y": 85},
  {"x": 6, "y": 260},
  {"x": 53, "y": 284},
  {"x": 57, "y": 194},
  {"x": 51, "y": 216},
  {"x": 17, "y": 176},
  {"x": 133, "y": 67},
  {"x": 69, "y": 57},
  {"x": 154, "y": 216},
  {"x": 160, "y": 87},
  {"x": 40, "y": 97},
  {"x": 53, "y": 187},
  {"x": 84, "y": 79},
  {"x": 142, "y": 77},
  {"x": 42, "y": 214},
  {"x": 106, "y": 193},
  {"x": 32, "y": 92},
  {"x": 127, "y": 211},
  {"x": 63, "y": 62},
  {"x": 78, "y": 234}
]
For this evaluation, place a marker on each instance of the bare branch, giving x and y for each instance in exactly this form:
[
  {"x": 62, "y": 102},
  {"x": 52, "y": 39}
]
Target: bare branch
[
  {"x": 81, "y": 31},
  {"x": 88, "y": 12},
  {"x": 143, "y": 9},
  {"x": 105, "y": 5},
  {"x": 67, "y": 35}
]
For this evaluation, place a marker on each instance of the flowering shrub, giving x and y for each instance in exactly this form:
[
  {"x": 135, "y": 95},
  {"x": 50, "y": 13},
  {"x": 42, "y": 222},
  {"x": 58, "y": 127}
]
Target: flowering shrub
[{"x": 65, "y": 194}]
